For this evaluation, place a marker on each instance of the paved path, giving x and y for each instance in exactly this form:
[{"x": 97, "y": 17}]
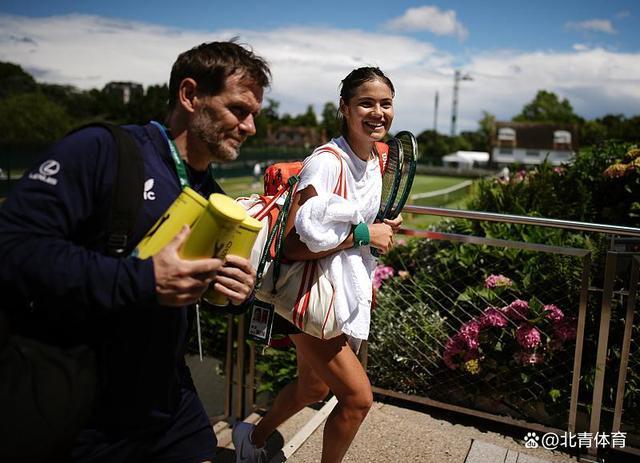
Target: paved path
[{"x": 393, "y": 434}]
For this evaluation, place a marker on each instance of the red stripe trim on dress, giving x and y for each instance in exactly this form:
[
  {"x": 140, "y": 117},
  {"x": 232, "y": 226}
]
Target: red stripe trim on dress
[
  {"x": 326, "y": 318},
  {"x": 307, "y": 296},
  {"x": 300, "y": 293}
]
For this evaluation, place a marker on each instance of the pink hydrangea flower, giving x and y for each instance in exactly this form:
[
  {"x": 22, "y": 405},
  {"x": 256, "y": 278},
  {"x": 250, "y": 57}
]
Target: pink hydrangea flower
[
  {"x": 559, "y": 170},
  {"x": 381, "y": 273},
  {"x": 553, "y": 313},
  {"x": 528, "y": 336},
  {"x": 456, "y": 344},
  {"x": 493, "y": 317},
  {"x": 470, "y": 332},
  {"x": 497, "y": 281},
  {"x": 565, "y": 330},
  {"x": 463, "y": 346},
  {"x": 518, "y": 309}
]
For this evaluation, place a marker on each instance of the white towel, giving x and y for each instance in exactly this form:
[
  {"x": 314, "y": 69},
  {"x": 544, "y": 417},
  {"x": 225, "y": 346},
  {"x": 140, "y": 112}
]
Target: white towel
[{"x": 323, "y": 222}]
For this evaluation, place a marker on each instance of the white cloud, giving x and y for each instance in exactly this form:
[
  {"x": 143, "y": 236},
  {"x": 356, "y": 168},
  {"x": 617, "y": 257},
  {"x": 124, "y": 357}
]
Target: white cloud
[
  {"x": 594, "y": 25},
  {"x": 580, "y": 47},
  {"x": 308, "y": 64},
  {"x": 429, "y": 18}
]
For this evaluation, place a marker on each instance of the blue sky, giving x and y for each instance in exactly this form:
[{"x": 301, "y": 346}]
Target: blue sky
[{"x": 586, "y": 51}]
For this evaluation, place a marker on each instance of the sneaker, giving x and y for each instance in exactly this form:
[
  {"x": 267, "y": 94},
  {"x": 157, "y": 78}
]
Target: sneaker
[{"x": 246, "y": 451}]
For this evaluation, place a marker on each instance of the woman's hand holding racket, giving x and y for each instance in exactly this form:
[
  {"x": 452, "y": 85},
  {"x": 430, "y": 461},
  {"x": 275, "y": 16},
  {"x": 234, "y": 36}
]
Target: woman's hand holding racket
[
  {"x": 381, "y": 237},
  {"x": 395, "y": 224}
]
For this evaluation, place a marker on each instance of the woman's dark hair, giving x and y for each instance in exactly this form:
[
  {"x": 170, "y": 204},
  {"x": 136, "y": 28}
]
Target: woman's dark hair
[
  {"x": 354, "y": 80},
  {"x": 209, "y": 64}
]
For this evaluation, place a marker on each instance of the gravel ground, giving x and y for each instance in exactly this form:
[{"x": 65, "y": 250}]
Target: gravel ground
[{"x": 394, "y": 434}]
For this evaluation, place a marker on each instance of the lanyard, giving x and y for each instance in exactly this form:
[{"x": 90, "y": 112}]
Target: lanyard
[{"x": 178, "y": 162}]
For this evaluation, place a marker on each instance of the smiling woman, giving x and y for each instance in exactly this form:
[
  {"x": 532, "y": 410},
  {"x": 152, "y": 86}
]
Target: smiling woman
[{"x": 330, "y": 230}]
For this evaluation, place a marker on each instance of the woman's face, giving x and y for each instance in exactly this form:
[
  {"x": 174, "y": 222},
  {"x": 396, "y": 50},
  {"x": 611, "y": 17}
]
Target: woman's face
[{"x": 369, "y": 112}]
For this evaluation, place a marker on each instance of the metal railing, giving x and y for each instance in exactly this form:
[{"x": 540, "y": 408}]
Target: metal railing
[{"x": 599, "y": 297}]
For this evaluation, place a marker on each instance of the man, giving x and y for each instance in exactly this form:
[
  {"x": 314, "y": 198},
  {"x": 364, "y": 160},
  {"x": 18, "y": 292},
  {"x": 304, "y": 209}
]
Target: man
[{"x": 133, "y": 313}]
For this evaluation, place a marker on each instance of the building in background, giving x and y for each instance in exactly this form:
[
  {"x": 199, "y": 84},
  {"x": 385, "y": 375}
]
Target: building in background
[
  {"x": 125, "y": 91},
  {"x": 296, "y": 137},
  {"x": 465, "y": 160},
  {"x": 532, "y": 143}
]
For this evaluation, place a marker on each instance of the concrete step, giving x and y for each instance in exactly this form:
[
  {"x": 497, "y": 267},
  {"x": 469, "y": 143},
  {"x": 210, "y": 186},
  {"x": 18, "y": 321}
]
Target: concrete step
[{"x": 483, "y": 452}]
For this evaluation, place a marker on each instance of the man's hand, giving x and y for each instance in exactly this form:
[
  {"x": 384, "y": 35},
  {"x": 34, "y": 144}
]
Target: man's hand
[
  {"x": 235, "y": 279},
  {"x": 181, "y": 282}
]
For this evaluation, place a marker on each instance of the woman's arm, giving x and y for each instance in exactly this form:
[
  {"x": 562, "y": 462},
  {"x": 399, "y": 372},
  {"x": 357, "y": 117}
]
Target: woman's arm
[{"x": 381, "y": 234}]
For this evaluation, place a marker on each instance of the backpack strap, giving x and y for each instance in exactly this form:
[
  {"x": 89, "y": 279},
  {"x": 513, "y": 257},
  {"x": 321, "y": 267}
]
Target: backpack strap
[
  {"x": 128, "y": 188},
  {"x": 341, "y": 184}
]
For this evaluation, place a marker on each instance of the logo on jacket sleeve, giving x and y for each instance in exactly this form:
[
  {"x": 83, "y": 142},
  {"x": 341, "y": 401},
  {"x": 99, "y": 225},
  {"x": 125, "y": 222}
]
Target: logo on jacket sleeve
[
  {"x": 46, "y": 172},
  {"x": 148, "y": 193}
]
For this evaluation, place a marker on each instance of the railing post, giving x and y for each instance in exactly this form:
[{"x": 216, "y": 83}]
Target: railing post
[
  {"x": 603, "y": 339},
  {"x": 577, "y": 360},
  {"x": 239, "y": 414},
  {"x": 626, "y": 344}
]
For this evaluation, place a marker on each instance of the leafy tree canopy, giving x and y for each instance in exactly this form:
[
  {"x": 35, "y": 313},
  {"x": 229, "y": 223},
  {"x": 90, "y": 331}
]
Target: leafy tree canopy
[
  {"x": 14, "y": 80},
  {"x": 547, "y": 107},
  {"x": 31, "y": 119}
]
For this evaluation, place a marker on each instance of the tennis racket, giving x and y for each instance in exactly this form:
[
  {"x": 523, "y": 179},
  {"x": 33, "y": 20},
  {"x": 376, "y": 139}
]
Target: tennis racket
[
  {"x": 409, "y": 150},
  {"x": 391, "y": 178}
]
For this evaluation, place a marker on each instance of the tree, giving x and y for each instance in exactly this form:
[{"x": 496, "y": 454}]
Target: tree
[
  {"x": 151, "y": 107},
  {"x": 31, "y": 119},
  {"x": 307, "y": 119},
  {"x": 330, "y": 120},
  {"x": 547, "y": 107},
  {"x": 267, "y": 118},
  {"x": 592, "y": 133},
  {"x": 80, "y": 105},
  {"x": 14, "y": 80}
]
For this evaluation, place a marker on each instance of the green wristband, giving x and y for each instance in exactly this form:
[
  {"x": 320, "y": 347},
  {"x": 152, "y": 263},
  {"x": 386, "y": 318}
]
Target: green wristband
[{"x": 361, "y": 235}]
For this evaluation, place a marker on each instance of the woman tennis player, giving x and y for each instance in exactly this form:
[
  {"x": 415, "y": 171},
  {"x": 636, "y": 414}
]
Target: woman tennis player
[{"x": 366, "y": 108}]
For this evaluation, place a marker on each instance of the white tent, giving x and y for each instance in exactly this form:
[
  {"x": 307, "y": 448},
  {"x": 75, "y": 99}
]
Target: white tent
[{"x": 466, "y": 159}]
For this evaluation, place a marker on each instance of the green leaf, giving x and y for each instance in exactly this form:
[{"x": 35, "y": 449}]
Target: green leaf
[{"x": 554, "y": 394}]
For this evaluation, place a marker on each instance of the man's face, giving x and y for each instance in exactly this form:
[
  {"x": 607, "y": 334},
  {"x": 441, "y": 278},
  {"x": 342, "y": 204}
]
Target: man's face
[{"x": 222, "y": 122}]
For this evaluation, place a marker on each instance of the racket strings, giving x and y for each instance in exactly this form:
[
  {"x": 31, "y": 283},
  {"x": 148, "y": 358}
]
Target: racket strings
[
  {"x": 410, "y": 156},
  {"x": 391, "y": 178}
]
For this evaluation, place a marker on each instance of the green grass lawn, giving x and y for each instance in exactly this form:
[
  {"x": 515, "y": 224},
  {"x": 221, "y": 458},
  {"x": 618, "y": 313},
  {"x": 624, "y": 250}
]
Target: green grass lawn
[
  {"x": 244, "y": 186},
  {"x": 424, "y": 183}
]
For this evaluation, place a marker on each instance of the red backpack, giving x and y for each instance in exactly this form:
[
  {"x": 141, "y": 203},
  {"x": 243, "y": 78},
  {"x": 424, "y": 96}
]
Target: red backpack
[{"x": 278, "y": 174}]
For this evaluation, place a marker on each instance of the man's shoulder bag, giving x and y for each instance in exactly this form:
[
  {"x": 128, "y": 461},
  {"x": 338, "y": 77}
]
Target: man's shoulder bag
[{"x": 47, "y": 392}]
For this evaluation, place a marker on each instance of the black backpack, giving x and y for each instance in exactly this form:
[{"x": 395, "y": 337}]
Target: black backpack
[{"x": 47, "y": 392}]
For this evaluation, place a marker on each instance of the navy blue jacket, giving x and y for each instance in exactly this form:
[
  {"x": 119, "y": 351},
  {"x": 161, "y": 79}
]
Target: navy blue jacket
[{"x": 52, "y": 253}]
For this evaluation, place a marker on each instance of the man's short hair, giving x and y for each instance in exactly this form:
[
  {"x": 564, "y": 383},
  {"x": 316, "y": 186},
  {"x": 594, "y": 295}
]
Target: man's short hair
[{"x": 209, "y": 64}]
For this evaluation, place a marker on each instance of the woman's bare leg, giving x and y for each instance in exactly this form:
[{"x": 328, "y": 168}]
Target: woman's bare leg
[
  {"x": 307, "y": 389},
  {"x": 337, "y": 366}
]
